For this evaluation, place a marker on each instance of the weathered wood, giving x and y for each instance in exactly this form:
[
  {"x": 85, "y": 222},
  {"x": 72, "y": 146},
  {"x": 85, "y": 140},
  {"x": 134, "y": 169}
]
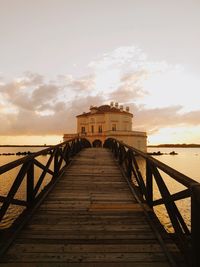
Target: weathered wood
[
  {"x": 195, "y": 224},
  {"x": 45, "y": 171},
  {"x": 26, "y": 165},
  {"x": 89, "y": 264},
  {"x": 90, "y": 217},
  {"x": 30, "y": 185},
  {"x": 143, "y": 187},
  {"x": 14, "y": 201}
]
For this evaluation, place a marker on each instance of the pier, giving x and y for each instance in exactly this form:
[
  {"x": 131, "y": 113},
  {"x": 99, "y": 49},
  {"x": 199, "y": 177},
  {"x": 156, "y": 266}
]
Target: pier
[{"x": 97, "y": 210}]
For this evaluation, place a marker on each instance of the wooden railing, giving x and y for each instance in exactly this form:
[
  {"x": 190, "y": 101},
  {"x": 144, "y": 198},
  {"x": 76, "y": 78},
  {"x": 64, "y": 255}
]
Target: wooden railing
[
  {"x": 59, "y": 156},
  {"x": 150, "y": 181}
]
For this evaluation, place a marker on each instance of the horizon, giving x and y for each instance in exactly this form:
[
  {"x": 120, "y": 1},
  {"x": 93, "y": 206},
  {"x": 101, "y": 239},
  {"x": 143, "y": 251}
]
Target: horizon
[
  {"x": 50, "y": 70},
  {"x": 150, "y": 145}
]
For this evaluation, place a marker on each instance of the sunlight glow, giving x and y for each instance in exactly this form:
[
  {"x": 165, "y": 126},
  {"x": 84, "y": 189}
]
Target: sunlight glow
[
  {"x": 175, "y": 135},
  {"x": 31, "y": 140}
]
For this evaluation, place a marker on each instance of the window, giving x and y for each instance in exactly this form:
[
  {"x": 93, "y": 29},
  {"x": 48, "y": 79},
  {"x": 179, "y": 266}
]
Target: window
[
  {"x": 92, "y": 128},
  {"x": 82, "y": 129},
  {"x": 113, "y": 127},
  {"x": 100, "y": 128}
]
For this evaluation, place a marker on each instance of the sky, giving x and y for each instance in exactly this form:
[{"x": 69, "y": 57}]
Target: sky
[{"x": 58, "y": 57}]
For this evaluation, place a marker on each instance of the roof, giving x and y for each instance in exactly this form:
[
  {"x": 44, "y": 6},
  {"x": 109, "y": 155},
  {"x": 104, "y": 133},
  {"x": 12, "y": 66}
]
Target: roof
[{"x": 104, "y": 109}]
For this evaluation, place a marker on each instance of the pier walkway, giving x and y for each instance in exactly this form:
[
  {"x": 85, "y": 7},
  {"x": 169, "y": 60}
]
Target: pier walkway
[{"x": 91, "y": 218}]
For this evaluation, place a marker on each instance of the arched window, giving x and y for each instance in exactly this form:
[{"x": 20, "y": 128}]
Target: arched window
[
  {"x": 82, "y": 129},
  {"x": 114, "y": 127}
]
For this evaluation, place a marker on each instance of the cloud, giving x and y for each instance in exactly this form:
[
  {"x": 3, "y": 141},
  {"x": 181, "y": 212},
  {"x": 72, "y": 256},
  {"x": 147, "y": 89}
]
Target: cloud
[
  {"x": 126, "y": 92},
  {"x": 130, "y": 87},
  {"x": 40, "y": 109},
  {"x": 153, "y": 120},
  {"x": 30, "y": 96},
  {"x": 44, "y": 94},
  {"x": 124, "y": 57},
  {"x": 85, "y": 83},
  {"x": 28, "y": 122},
  {"x": 134, "y": 77},
  {"x": 33, "y": 105},
  {"x": 192, "y": 117},
  {"x": 30, "y": 79}
]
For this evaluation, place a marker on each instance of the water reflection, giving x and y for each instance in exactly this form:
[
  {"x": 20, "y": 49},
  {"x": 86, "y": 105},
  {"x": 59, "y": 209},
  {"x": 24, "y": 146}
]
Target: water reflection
[
  {"x": 187, "y": 161},
  {"x": 6, "y": 181}
]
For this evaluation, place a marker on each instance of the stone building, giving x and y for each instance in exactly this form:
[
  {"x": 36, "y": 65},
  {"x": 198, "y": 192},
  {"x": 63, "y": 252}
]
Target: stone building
[{"x": 108, "y": 121}]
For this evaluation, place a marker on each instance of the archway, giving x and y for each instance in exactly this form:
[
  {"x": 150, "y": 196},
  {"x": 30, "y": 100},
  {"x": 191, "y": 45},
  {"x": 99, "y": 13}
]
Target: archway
[
  {"x": 97, "y": 143},
  {"x": 86, "y": 142}
]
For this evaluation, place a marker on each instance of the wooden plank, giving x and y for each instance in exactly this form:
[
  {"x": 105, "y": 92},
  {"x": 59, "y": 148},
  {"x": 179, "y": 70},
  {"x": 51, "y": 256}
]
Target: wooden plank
[
  {"x": 110, "y": 207},
  {"x": 86, "y": 248},
  {"x": 89, "y": 264},
  {"x": 87, "y": 257},
  {"x": 90, "y": 219},
  {"x": 89, "y": 227}
]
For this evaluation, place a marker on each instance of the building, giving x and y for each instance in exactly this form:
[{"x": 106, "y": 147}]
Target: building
[{"x": 108, "y": 121}]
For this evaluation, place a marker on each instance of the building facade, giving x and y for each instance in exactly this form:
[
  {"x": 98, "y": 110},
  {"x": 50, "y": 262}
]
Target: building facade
[{"x": 108, "y": 121}]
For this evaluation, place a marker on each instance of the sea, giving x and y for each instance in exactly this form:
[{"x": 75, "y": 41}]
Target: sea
[{"x": 186, "y": 161}]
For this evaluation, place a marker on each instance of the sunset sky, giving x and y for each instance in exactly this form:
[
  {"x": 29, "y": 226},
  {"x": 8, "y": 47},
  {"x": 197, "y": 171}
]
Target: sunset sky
[{"x": 58, "y": 57}]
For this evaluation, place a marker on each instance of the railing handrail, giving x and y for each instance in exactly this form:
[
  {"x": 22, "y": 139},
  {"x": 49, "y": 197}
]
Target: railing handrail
[
  {"x": 8, "y": 166},
  {"x": 60, "y": 156},
  {"x": 187, "y": 239},
  {"x": 178, "y": 176}
]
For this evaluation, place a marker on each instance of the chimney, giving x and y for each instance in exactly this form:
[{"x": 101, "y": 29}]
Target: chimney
[
  {"x": 127, "y": 109},
  {"x": 116, "y": 104},
  {"x": 121, "y": 107}
]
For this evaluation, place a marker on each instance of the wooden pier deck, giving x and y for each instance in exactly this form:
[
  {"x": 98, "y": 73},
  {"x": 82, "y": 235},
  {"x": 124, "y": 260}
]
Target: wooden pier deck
[{"x": 91, "y": 219}]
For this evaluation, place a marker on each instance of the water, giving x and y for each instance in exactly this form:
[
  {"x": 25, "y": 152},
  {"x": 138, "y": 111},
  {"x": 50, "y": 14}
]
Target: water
[
  {"x": 6, "y": 179},
  {"x": 7, "y": 159},
  {"x": 187, "y": 161}
]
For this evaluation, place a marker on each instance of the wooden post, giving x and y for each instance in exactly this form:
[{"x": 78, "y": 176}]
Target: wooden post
[
  {"x": 56, "y": 163},
  {"x": 129, "y": 165},
  {"x": 195, "y": 224},
  {"x": 30, "y": 185},
  {"x": 120, "y": 155},
  {"x": 149, "y": 184}
]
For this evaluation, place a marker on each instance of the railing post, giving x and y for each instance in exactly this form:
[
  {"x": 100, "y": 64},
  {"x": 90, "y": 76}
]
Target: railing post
[
  {"x": 56, "y": 167},
  {"x": 149, "y": 184},
  {"x": 195, "y": 224},
  {"x": 120, "y": 155},
  {"x": 129, "y": 165},
  {"x": 30, "y": 185}
]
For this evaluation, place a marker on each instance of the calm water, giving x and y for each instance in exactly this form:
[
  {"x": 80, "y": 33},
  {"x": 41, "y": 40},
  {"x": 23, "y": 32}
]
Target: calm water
[
  {"x": 187, "y": 161},
  {"x": 6, "y": 179}
]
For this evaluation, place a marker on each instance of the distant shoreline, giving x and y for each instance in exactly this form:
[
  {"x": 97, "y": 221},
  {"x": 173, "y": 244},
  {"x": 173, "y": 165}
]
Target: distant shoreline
[
  {"x": 176, "y": 145},
  {"x": 25, "y": 145},
  {"x": 161, "y": 145}
]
